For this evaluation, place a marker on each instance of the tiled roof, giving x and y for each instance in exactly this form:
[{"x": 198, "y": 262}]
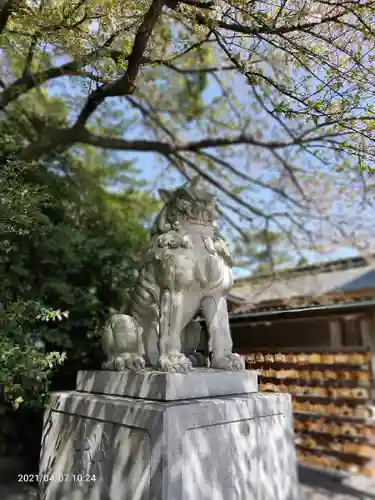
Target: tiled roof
[{"x": 314, "y": 284}]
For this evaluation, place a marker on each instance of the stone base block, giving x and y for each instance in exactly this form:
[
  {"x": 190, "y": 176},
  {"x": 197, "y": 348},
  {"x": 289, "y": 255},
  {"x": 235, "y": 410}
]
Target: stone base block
[
  {"x": 162, "y": 386},
  {"x": 98, "y": 447}
]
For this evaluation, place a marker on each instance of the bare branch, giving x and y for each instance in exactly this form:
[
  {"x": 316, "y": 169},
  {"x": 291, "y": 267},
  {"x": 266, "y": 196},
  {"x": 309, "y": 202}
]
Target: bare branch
[
  {"x": 30, "y": 54},
  {"x": 256, "y": 182},
  {"x": 126, "y": 84},
  {"x": 187, "y": 71},
  {"x": 5, "y": 13},
  {"x": 266, "y": 30},
  {"x": 84, "y": 136},
  {"x": 30, "y": 81},
  {"x": 214, "y": 182},
  {"x": 198, "y": 4},
  {"x": 73, "y": 68},
  {"x": 244, "y": 235},
  {"x": 151, "y": 116}
]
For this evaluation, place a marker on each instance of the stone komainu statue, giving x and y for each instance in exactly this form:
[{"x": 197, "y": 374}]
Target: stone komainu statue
[{"x": 186, "y": 269}]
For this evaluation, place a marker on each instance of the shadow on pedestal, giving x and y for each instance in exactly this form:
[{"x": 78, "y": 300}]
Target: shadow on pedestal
[{"x": 208, "y": 446}]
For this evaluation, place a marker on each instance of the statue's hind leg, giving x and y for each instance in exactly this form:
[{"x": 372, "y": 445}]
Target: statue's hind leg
[
  {"x": 215, "y": 313},
  {"x": 192, "y": 339}
]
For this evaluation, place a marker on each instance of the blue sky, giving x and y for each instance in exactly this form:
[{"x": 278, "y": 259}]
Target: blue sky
[{"x": 146, "y": 162}]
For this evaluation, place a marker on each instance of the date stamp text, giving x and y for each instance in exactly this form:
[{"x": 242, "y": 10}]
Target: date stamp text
[{"x": 60, "y": 478}]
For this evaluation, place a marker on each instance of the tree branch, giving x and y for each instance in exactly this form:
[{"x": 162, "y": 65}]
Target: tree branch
[
  {"x": 152, "y": 116},
  {"x": 257, "y": 182},
  {"x": 183, "y": 71},
  {"x": 244, "y": 235},
  {"x": 29, "y": 81},
  {"x": 72, "y": 68},
  {"x": 211, "y": 180},
  {"x": 126, "y": 84},
  {"x": 30, "y": 54},
  {"x": 266, "y": 30},
  {"x": 84, "y": 136},
  {"x": 5, "y": 13},
  {"x": 198, "y": 4}
]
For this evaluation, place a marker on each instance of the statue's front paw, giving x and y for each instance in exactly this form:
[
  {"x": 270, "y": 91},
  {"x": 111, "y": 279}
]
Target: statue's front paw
[
  {"x": 174, "y": 362},
  {"x": 125, "y": 361},
  {"x": 231, "y": 362}
]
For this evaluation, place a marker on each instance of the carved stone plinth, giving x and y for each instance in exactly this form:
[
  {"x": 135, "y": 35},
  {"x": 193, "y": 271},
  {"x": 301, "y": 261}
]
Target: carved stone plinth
[
  {"x": 101, "y": 447},
  {"x": 164, "y": 386}
]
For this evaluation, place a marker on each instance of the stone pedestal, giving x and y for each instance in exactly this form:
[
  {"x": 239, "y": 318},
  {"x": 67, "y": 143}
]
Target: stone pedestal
[{"x": 165, "y": 444}]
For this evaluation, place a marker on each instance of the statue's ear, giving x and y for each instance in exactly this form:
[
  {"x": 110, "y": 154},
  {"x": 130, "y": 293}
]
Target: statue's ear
[{"x": 165, "y": 195}]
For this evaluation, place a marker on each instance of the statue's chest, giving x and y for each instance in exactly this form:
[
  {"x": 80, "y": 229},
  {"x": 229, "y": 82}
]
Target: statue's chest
[
  {"x": 209, "y": 266},
  {"x": 189, "y": 261},
  {"x": 203, "y": 246}
]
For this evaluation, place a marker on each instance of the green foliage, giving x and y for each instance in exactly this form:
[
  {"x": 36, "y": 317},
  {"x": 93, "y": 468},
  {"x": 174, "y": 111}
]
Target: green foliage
[
  {"x": 24, "y": 369},
  {"x": 68, "y": 250},
  {"x": 25, "y": 366}
]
